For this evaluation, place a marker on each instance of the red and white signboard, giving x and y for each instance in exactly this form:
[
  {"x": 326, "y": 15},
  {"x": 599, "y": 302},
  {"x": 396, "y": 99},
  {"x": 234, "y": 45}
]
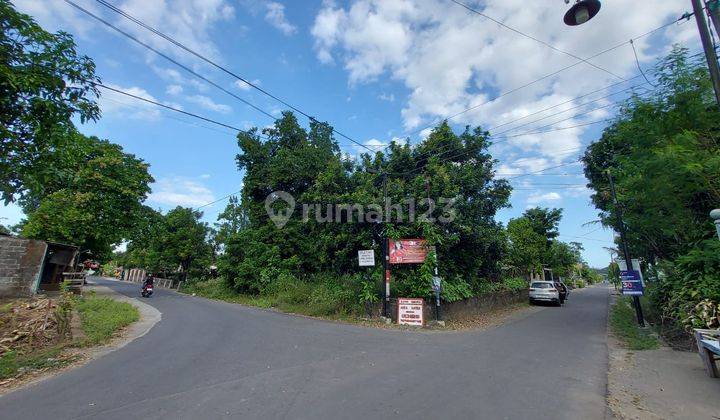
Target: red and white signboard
[
  {"x": 407, "y": 251},
  {"x": 410, "y": 312}
]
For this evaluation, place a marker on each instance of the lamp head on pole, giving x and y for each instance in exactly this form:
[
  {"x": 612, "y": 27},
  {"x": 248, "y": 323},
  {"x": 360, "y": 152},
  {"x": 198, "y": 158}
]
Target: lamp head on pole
[{"x": 581, "y": 12}]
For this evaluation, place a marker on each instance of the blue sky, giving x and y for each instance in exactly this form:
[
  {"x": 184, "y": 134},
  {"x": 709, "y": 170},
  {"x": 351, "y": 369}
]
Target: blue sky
[{"x": 376, "y": 70}]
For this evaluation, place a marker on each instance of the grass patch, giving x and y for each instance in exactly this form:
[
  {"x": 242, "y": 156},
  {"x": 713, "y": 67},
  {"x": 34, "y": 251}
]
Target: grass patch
[
  {"x": 293, "y": 297},
  {"x": 102, "y": 317},
  {"x": 12, "y": 363},
  {"x": 624, "y": 326}
]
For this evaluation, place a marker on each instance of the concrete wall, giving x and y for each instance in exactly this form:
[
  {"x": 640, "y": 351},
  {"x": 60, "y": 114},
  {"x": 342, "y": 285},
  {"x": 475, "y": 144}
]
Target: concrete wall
[
  {"x": 21, "y": 261},
  {"x": 464, "y": 308}
]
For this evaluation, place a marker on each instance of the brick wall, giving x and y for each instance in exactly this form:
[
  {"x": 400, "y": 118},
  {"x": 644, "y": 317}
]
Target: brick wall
[{"x": 20, "y": 265}]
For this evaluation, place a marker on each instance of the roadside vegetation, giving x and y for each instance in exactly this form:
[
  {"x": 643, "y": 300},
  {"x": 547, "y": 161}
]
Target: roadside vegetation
[
  {"x": 36, "y": 334},
  {"x": 314, "y": 298},
  {"x": 664, "y": 155},
  {"x": 624, "y": 326},
  {"x": 89, "y": 192}
]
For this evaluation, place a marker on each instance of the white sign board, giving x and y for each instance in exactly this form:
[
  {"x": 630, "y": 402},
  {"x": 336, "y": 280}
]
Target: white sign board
[
  {"x": 366, "y": 257},
  {"x": 410, "y": 312}
]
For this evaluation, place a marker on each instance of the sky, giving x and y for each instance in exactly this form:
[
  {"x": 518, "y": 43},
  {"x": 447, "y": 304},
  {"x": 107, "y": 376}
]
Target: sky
[{"x": 376, "y": 70}]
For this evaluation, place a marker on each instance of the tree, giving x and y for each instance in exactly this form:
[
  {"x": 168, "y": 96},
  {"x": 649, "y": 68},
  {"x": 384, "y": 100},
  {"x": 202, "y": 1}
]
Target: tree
[
  {"x": 526, "y": 247},
  {"x": 95, "y": 203},
  {"x": 43, "y": 84},
  {"x": 672, "y": 135},
  {"x": 544, "y": 222},
  {"x": 308, "y": 165},
  {"x": 172, "y": 243},
  {"x": 230, "y": 221},
  {"x": 663, "y": 153}
]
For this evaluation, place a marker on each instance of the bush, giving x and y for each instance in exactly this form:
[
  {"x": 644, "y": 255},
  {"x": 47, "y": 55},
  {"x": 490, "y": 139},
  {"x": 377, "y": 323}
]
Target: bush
[{"x": 678, "y": 295}]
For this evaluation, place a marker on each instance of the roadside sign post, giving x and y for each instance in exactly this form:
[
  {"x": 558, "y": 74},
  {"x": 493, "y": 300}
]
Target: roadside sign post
[
  {"x": 632, "y": 284},
  {"x": 437, "y": 288},
  {"x": 410, "y": 312}
]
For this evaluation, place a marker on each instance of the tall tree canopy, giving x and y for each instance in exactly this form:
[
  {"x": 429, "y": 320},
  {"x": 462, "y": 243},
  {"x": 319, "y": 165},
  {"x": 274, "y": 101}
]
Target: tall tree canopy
[
  {"x": 309, "y": 166},
  {"x": 43, "y": 84},
  {"x": 92, "y": 199},
  {"x": 664, "y": 155}
]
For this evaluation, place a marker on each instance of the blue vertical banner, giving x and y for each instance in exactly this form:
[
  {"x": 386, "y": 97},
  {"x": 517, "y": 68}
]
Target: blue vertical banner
[{"x": 631, "y": 283}]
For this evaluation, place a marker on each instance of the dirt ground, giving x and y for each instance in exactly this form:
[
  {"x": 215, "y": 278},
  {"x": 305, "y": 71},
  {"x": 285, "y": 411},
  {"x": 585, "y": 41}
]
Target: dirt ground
[{"x": 660, "y": 384}]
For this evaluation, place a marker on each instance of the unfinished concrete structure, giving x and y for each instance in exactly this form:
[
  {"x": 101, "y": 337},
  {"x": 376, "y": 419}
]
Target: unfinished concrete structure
[{"x": 28, "y": 265}]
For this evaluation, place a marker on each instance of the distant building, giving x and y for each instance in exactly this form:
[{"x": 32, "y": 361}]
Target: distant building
[{"x": 28, "y": 265}]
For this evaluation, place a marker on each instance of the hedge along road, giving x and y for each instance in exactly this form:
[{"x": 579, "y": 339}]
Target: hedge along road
[{"x": 209, "y": 359}]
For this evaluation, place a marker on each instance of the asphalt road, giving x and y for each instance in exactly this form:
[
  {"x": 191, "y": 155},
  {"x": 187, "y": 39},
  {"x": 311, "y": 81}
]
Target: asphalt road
[{"x": 208, "y": 360}]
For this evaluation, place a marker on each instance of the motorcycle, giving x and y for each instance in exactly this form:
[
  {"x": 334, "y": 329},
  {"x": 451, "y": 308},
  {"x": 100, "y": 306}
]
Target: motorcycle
[{"x": 147, "y": 290}]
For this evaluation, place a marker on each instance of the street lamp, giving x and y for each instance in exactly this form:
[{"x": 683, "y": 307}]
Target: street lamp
[
  {"x": 715, "y": 215},
  {"x": 581, "y": 12}
]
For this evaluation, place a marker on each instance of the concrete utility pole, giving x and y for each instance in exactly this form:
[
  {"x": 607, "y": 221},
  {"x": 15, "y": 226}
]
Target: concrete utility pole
[
  {"x": 706, "y": 39},
  {"x": 626, "y": 249}
]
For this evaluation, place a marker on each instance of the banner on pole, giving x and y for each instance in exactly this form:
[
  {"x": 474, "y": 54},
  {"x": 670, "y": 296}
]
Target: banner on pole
[
  {"x": 408, "y": 251},
  {"x": 631, "y": 283}
]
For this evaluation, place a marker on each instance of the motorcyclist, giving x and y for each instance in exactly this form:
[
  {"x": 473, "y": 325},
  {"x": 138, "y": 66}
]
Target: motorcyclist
[{"x": 149, "y": 280}]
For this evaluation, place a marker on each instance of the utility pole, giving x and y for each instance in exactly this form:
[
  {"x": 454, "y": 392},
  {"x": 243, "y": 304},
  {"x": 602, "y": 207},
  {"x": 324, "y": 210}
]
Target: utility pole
[
  {"x": 706, "y": 39},
  {"x": 386, "y": 249},
  {"x": 626, "y": 249},
  {"x": 713, "y": 7}
]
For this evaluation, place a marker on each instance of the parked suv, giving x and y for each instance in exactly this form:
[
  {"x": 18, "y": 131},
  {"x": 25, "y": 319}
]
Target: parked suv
[
  {"x": 544, "y": 291},
  {"x": 563, "y": 290}
]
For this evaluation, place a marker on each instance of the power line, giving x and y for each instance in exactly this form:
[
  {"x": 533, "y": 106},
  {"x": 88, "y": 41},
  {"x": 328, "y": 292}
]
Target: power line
[
  {"x": 216, "y": 65},
  {"x": 168, "y": 58},
  {"x": 650, "y": 32},
  {"x": 150, "y": 101},
  {"x": 519, "y": 32}
]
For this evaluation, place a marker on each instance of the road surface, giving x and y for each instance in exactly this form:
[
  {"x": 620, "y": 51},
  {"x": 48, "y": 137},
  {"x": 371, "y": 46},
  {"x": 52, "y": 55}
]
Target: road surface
[{"x": 211, "y": 360}]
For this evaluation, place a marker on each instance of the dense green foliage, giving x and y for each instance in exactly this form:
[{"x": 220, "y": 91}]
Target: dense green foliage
[
  {"x": 308, "y": 165},
  {"x": 172, "y": 244},
  {"x": 74, "y": 189},
  {"x": 664, "y": 155},
  {"x": 43, "y": 84},
  {"x": 533, "y": 245},
  {"x": 92, "y": 199}
]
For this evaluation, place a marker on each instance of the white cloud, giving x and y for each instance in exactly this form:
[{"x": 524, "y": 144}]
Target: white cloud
[
  {"x": 537, "y": 198},
  {"x": 174, "y": 89},
  {"x": 188, "y": 21},
  {"x": 276, "y": 17},
  {"x": 244, "y": 86},
  {"x": 387, "y": 97},
  {"x": 209, "y": 104},
  {"x": 116, "y": 105},
  {"x": 450, "y": 59},
  {"x": 180, "y": 191}
]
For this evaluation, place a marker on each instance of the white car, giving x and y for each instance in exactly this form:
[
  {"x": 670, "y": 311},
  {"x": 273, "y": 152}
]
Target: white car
[{"x": 544, "y": 291}]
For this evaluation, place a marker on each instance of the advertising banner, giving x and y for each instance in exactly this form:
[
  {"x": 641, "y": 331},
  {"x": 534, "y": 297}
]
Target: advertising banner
[
  {"x": 408, "y": 251},
  {"x": 631, "y": 282}
]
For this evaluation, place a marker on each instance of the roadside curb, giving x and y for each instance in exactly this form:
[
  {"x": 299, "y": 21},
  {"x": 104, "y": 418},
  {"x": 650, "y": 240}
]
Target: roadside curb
[{"x": 149, "y": 316}]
